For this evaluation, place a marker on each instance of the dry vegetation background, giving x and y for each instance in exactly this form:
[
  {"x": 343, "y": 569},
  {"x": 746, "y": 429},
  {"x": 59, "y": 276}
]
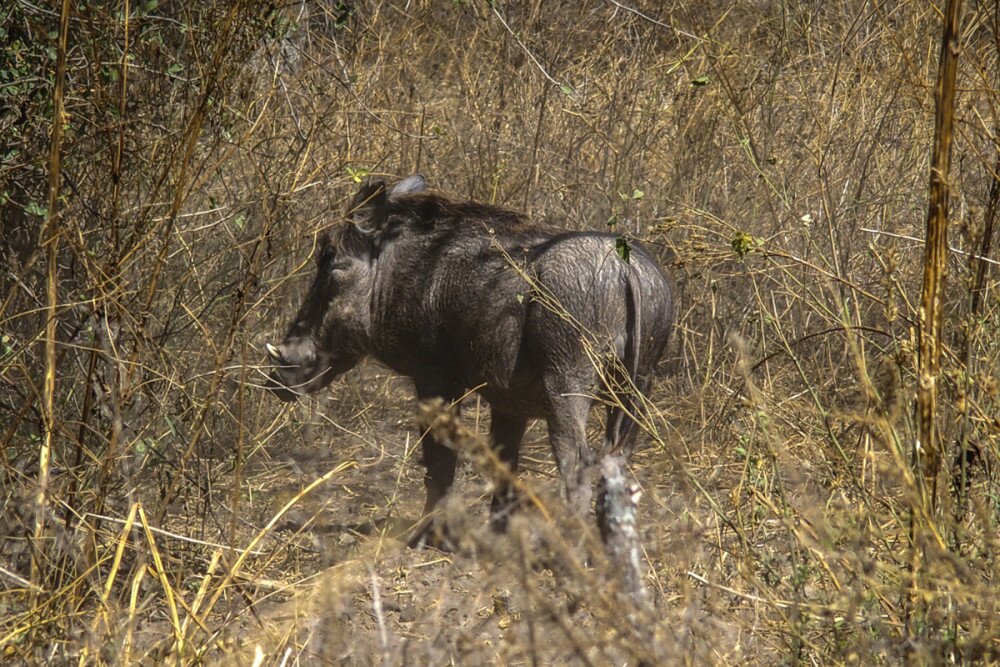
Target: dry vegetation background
[{"x": 775, "y": 153}]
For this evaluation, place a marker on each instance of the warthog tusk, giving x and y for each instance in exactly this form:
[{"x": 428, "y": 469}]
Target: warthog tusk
[{"x": 272, "y": 351}]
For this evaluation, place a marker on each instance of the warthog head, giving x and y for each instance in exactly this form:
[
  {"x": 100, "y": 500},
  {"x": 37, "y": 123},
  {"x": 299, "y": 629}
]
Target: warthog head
[{"x": 329, "y": 335}]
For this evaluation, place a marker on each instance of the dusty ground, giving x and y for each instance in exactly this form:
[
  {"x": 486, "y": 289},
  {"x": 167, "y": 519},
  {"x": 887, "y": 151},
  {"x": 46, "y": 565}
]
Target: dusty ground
[{"x": 345, "y": 587}]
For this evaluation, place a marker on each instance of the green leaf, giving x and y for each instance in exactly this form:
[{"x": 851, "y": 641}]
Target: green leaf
[
  {"x": 744, "y": 243},
  {"x": 34, "y": 208},
  {"x": 623, "y": 248},
  {"x": 342, "y": 12},
  {"x": 638, "y": 194},
  {"x": 567, "y": 89},
  {"x": 357, "y": 175},
  {"x": 175, "y": 69},
  {"x": 519, "y": 297},
  {"x": 700, "y": 81}
]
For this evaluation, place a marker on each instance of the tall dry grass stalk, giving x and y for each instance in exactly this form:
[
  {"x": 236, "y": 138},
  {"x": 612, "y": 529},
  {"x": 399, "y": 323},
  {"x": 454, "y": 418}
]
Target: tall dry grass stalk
[
  {"x": 50, "y": 240},
  {"x": 928, "y": 448},
  {"x": 927, "y": 453}
]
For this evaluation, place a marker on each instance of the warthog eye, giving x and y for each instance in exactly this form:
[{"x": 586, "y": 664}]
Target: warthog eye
[{"x": 342, "y": 265}]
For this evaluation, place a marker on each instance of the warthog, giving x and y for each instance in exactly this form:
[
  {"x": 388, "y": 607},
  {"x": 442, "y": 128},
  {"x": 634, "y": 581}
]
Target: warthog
[{"x": 457, "y": 295}]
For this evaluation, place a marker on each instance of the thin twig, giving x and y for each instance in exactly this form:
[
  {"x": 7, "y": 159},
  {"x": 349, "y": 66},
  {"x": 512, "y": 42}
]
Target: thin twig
[
  {"x": 175, "y": 536},
  {"x": 527, "y": 51},
  {"x": 383, "y": 634},
  {"x": 880, "y": 232},
  {"x": 654, "y": 21},
  {"x": 783, "y": 604},
  {"x": 20, "y": 580}
]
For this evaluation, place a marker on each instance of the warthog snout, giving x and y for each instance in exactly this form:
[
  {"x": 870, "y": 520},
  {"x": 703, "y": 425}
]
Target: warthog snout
[{"x": 296, "y": 368}]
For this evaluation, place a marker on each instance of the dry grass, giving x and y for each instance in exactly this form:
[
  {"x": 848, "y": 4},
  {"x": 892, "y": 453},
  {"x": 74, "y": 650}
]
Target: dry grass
[{"x": 776, "y": 155}]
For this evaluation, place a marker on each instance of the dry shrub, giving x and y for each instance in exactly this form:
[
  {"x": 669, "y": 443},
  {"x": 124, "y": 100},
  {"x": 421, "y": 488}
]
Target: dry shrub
[{"x": 775, "y": 155}]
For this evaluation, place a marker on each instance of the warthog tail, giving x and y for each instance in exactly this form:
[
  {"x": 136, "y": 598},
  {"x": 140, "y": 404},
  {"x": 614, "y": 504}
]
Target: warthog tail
[{"x": 623, "y": 387}]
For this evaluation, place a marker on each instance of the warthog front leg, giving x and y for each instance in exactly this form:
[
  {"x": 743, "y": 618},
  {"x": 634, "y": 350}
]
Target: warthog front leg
[
  {"x": 439, "y": 463},
  {"x": 439, "y": 473},
  {"x": 506, "y": 432}
]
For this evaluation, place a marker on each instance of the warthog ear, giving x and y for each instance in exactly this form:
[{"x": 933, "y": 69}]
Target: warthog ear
[
  {"x": 371, "y": 194},
  {"x": 410, "y": 184},
  {"x": 366, "y": 206}
]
